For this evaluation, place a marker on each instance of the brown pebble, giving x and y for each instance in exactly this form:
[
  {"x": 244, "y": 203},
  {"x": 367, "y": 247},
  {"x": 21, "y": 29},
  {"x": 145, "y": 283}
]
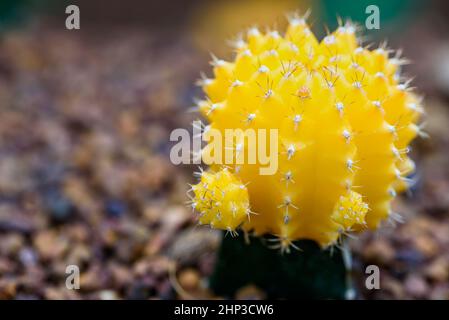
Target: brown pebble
[
  {"x": 8, "y": 288},
  {"x": 393, "y": 286},
  {"x": 438, "y": 270},
  {"x": 153, "y": 213},
  {"x": 60, "y": 293},
  {"x": 426, "y": 245},
  {"x": 121, "y": 275},
  {"x": 10, "y": 244},
  {"x": 189, "y": 279},
  {"x": 250, "y": 292},
  {"x": 94, "y": 278},
  {"x": 6, "y": 265},
  {"x": 190, "y": 245},
  {"x": 379, "y": 251},
  {"x": 157, "y": 266},
  {"x": 79, "y": 254},
  {"x": 50, "y": 245}
]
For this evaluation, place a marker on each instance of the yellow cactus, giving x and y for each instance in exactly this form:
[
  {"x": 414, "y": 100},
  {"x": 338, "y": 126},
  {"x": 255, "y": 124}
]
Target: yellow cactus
[{"x": 345, "y": 121}]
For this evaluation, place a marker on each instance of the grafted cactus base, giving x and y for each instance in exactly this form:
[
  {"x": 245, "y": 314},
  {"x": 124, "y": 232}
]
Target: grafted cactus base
[{"x": 312, "y": 273}]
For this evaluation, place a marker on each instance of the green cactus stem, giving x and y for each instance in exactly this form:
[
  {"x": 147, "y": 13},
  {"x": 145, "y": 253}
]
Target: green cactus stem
[{"x": 308, "y": 273}]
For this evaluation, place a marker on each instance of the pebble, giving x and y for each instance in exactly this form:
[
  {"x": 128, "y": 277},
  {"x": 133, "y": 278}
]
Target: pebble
[
  {"x": 108, "y": 295},
  {"x": 142, "y": 288},
  {"x": 416, "y": 286},
  {"x": 393, "y": 286},
  {"x": 28, "y": 257},
  {"x": 153, "y": 213},
  {"x": 156, "y": 266},
  {"x": 165, "y": 290},
  {"x": 8, "y": 288},
  {"x": 60, "y": 293},
  {"x": 189, "y": 279},
  {"x": 50, "y": 244},
  {"x": 115, "y": 208},
  {"x": 12, "y": 220},
  {"x": 250, "y": 292},
  {"x": 11, "y": 244},
  {"x": 7, "y": 265},
  {"x": 438, "y": 270},
  {"x": 174, "y": 218},
  {"x": 427, "y": 246},
  {"x": 379, "y": 251},
  {"x": 121, "y": 275},
  {"x": 409, "y": 257},
  {"x": 58, "y": 205},
  {"x": 440, "y": 292},
  {"x": 79, "y": 254},
  {"x": 95, "y": 278},
  {"x": 191, "y": 244}
]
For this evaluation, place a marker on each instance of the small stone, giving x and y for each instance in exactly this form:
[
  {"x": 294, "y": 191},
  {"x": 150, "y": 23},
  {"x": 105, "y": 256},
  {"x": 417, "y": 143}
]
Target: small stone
[
  {"x": 165, "y": 290},
  {"x": 115, "y": 208},
  {"x": 393, "y": 286},
  {"x": 79, "y": 254},
  {"x": 207, "y": 263},
  {"x": 174, "y": 217},
  {"x": 155, "y": 179},
  {"x": 439, "y": 64},
  {"x": 189, "y": 279},
  {"x": 142, "y": 289},
  {"x": 128, "y": 250},
  {"x": 191, "y": 244},
  {"x": 60, "y": 293},
  {"x": 250, "y": 292},
  {"x": 94, "y": 278},
  {"x": 426, "y": 245},
  {"x": 11, "y": 244},
  {"x": 438, "y": 270},
  {"x": 108, "y": 295},
  {"x": 121, "y": 275},
  {"x": 6, "y": 266},
  {"x": 416, "y": 286},
  {"x": 77, "y": 232},
  {"x": 441, "y": 234},
  {"x": 24, "y": 296},
  {"x": 153, "y": 213},
  {"x": 440, "y": 292},
  {"x": 58, "y": 205},
  {"x": 12, "y": 220},
  {"x": 379, "y": 251},
  {"x": 157, "y": 266},
  {"x": 28, "y": 257},
  {"x": 155, "y": 244},
  {"x": 50, "y": 245},
  {"x": 128, "y": 124},
  {"x": 78, "y": 191},
  {"x": 108, "y": 235},
  {"x": 8, "y": 288},
  {"x": 408, "y": 258}
]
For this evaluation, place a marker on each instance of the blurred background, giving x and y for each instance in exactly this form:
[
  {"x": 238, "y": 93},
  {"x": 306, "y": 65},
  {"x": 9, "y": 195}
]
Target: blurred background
[{"x": 85, "y": 117}]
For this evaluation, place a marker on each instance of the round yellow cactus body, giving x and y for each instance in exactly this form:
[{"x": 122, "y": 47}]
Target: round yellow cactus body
[{"x": 344, "y": 123}]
